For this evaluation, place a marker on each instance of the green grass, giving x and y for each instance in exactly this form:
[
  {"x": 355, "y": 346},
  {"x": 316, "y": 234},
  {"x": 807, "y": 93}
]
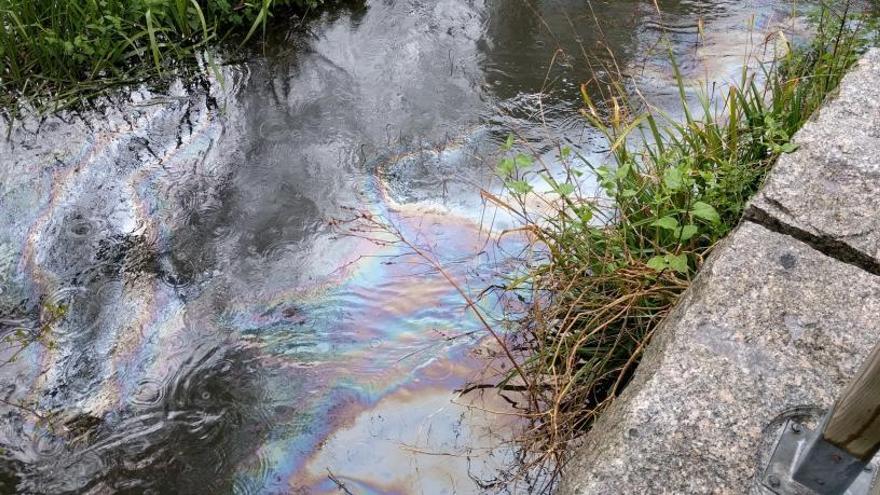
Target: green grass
[
  {"x": 611, "y": 267},
  {"x": 55, "y": 51}
]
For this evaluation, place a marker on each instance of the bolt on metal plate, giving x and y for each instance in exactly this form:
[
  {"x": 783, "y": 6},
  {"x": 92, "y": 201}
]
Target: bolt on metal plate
[{"x": 777, "y": 478}]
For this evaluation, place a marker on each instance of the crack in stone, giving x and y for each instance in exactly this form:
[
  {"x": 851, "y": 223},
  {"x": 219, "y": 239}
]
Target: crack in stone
[{"x": 825, "y": 244}]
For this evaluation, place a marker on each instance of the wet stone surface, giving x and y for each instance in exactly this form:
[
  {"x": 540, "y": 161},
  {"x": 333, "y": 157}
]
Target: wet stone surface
[
  {"x": 830, "y": 188},
  {"x": 771, "y": 330}
]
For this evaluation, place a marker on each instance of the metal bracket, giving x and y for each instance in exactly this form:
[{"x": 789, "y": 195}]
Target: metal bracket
[{"x": 792, "y": 444}]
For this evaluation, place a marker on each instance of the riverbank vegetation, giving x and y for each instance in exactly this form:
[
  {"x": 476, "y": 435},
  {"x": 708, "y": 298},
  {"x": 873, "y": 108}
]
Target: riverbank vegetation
[
  {"x": 609, "y": 266},
  {"x": 53, "y": 52}
]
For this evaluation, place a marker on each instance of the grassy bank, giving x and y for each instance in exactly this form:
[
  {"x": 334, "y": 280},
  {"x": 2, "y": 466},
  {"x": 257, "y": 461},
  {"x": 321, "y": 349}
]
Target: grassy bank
[
  {"x": 55, "y": 51},
  {"x": 612, "y": 265}
]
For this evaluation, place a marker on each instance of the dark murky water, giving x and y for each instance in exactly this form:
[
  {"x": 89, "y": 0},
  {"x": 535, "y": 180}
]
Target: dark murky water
[{"x": 220, "y": 335}]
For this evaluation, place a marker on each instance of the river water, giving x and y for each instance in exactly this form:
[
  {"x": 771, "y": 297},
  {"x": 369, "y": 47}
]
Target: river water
[{"x": 221, "y": 332}]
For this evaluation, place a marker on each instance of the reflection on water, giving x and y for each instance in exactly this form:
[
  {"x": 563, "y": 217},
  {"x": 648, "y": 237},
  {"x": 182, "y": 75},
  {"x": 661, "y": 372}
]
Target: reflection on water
[{"x": 221, "y": 336}]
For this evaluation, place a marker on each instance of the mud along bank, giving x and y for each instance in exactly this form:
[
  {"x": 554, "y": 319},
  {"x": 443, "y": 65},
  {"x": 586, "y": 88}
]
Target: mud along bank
[{"x": 779, "y": 319}]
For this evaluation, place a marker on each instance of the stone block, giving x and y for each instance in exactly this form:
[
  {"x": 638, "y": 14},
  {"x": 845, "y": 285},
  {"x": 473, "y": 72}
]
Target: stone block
[
  {"x": 830, "y": 187},
  {"x": 770, "y": 329}
]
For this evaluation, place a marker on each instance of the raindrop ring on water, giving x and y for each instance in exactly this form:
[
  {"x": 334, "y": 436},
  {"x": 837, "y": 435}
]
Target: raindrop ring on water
[
  {"x": 80, "y": 228},
  {"x": 47, "y": 445},
  {"x": 149, "y": 393}
]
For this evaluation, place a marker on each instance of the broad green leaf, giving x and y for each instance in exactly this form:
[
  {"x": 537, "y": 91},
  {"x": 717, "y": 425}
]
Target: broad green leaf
[
  {"x": 668, "y": 223},
  {"x": 705, "y": 211},
  {"x": 519, "y": 186},
  {"x": 586, "y": 214},
  {"x": 673, "y": 179},
  {"x": 687, "y": 232},
  {"x": 678, "y": 263},
  {"x": 521, "y": 160},
  {"x": 506, "y": 167},
  {"x": 658, "y": 263},
  {"x": 564, "y": 189}
]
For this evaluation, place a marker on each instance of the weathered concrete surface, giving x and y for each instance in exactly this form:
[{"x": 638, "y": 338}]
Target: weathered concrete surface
[
  {"x": 778, "y": 321},
  {"x": 830, "y": 188}
]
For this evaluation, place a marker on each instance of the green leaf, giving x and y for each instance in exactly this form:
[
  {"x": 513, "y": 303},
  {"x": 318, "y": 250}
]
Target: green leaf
[
  {"x": 658, "y": 263},
  {"x": 564, "y": 189},
  {"x": 678, "y": 263},
  {"x": 565, "y": 152},
  {"x": 585, "y": 214},
  {"x": 508, "y": 145},
  {"x": 673, "y": 179},
  {"x": 668, "y": 223},
  {"x": 201, "y": 16},
  {"x": 154, "y": 45},
  {"x": 706, "y": 212},
  {"x": 521, "y": 160},
  {"x": 788, "y": 148},
  {"x": 687, "y": 232},
  {"x": 259, "y": 21},
  {"x": 519, "y": 186},
  {"x": 506, "y": 168}
]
